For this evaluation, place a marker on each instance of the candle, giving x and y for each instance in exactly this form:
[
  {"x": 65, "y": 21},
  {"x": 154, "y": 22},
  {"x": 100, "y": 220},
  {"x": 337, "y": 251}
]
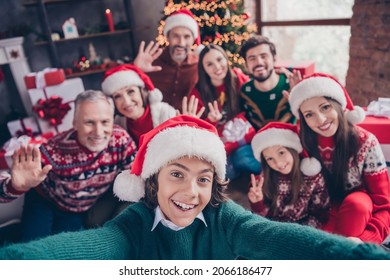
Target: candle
[{"x": 109, "y": 20}]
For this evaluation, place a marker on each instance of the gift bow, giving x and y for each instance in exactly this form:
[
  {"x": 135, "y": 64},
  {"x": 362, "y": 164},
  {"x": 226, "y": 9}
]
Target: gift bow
[
  {"x": 235, "y": 130},
  {"x": 15, "y": 143},
  {"x": 52, "y": 109}
]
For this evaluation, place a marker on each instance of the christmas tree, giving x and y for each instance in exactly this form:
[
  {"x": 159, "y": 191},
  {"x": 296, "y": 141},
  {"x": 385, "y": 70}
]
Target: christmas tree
[{"x": 221, "y": 22}]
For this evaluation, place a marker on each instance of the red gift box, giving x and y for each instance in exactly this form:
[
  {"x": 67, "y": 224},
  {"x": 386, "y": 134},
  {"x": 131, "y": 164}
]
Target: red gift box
[
  {"x": 46, "y": 77},
  {"x": 8, "y": 149},
  {"x": 236, "y": 133},
  {"x": 305, "y": 67}
]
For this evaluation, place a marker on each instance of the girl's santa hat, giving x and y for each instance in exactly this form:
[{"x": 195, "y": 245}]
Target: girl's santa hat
[
  {"x": 126, "y": 75},
  {"x": 323, "y": 85},
  {"x": 177, "y": 137},
  {"x": 184, "y": 18},
  {"x": 284, "y": 134}
]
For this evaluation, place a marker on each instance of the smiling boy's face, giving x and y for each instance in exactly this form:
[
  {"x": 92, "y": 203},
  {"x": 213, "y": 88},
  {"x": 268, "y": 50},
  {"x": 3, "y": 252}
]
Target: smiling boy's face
[{"x": 184, "y": 190}]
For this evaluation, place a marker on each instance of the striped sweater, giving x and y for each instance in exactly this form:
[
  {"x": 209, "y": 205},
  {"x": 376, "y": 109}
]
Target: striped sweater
[{"x": 79, "y": 177}]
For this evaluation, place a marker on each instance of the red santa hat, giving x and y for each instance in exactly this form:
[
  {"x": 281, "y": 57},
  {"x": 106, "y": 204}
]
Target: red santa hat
[
  {"x": 284, "y": 134},
  {"x": 323, "y": 85},
  {"x": 177, "y": 137},
  {"x": 126, "y": 75},
  {"x": 183, "y": 18}
]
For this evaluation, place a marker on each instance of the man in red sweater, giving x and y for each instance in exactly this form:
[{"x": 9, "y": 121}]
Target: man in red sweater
[
  {"x": 65, "y": 178},
  {"x": 176, "y": 67}
]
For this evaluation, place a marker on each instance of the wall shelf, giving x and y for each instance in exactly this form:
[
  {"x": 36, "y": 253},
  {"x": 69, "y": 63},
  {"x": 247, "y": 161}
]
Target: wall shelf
[
  {"x": 47, "y": 2},
  {"x": 87, "y": 36}
]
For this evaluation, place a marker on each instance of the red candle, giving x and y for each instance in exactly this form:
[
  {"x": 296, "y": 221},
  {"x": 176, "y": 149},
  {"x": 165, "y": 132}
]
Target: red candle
[{"x": 109, "y": 20}]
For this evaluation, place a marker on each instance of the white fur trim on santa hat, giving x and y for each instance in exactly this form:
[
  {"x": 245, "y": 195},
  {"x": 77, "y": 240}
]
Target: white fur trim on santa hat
[
  {"x": 275, "y": 136},
  {"x": 121, "y": 79},
  {"x": 128, "y": 187},
  {"x": 199, "y": 49},
  {"x": 155, "y": 96},
  {"x": 176, "y": 142},
  {"x": 161, "y": 112},
  {"x": 357, "y": 115},
  {"x": 183, "y": 20},
  {"x": 315, "y": 87},
  {"x": 310, "y": 166}
]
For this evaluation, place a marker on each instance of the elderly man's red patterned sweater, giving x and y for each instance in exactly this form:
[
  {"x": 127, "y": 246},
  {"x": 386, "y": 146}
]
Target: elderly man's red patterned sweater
[
  {"x": 79, "y": 177},
  {"x": 369, "y": 175}
]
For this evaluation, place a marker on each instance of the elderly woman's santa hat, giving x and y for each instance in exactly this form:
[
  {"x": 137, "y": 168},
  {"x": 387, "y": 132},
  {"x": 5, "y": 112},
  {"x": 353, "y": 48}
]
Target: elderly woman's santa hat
[
  {"x": 177, "y": 137},
  {"x": 286, "y": 135},
  {"x": 126, "y": 75},
  {"x": 323, "y": 85}
]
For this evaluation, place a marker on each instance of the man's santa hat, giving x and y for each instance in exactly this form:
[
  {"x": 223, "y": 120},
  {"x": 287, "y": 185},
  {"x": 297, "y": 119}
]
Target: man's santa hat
[
  {"x": 126, "y": 75},
  {"x": 284, "y": 134},
  {"x": 183, "y": 18},
  {"x": 323, "y": 85},
  {"x": 178, "y": 137}
]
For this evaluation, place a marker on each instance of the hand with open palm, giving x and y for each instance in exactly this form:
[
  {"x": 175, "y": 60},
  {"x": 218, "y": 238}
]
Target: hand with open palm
[
  {"x": 26, "y": 170},
  {"x": 146, "y": 57},
  {"x": 190, "y": 107}
]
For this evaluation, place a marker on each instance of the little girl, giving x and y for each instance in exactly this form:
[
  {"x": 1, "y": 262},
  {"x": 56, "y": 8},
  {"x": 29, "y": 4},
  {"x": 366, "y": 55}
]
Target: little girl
[
  {"x": 290, "y": 189},
  {"x": 353, "y": 163}
]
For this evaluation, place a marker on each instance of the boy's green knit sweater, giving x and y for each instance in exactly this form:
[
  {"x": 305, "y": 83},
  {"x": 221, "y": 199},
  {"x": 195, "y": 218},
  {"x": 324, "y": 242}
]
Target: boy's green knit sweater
[{"x": 231, "y": 232}]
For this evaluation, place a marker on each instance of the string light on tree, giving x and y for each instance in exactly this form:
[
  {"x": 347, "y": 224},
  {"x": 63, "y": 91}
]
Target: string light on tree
[{"x": 220, "y": 22}]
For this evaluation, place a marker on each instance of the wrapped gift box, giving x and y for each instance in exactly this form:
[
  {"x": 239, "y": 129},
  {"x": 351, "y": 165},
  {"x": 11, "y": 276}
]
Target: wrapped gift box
[
  {"x": 7, "y": 151},
  {"x": 46, "y": 77},
  {"x": 380, "y": 127},
  {"x": 305, "y": 67},
  {"x": 68, "y": 91},
  {"x": 26, "y": 126},
  {"x": 237, "y": 132}
]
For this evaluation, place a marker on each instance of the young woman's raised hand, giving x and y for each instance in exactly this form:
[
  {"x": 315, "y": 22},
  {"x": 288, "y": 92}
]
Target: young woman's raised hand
[
  {"x": 214, "y": 115},
  {"x": 255, "y": 193}
]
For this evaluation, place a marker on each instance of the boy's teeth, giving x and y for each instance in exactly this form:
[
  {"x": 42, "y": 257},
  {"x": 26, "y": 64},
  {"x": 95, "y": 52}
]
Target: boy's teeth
[{"x": 183, "y": 205}]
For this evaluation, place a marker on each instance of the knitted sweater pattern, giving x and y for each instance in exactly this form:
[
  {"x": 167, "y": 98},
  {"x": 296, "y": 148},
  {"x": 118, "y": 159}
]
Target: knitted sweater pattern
[
  {"x": 369, "y": 175},
  {"x": 231, "y": 232},
  {"x": 79, "y": 177},
  {"x": 263, "y": 107},
  {"x": 311, "y": 208}
]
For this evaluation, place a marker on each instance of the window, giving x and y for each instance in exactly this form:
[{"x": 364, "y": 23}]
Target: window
[{"x": 315, "y": 30}]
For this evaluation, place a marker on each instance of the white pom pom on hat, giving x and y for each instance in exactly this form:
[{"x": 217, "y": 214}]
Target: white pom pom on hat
[
  {"x": 126, "y": 75},
  {"x": 177, "y": 137},
  {"x": 284, "y": 134},
  {"x": 323, "y": 85}
]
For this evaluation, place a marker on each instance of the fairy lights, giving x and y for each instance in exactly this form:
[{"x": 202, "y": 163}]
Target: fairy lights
[{"x": 221, "y": 22}]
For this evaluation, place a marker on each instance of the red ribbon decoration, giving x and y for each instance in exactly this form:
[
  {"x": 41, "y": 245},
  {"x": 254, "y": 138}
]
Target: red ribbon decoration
[
  {"x": 52, "y": 109},
  {"x": 25, "y": 130}
]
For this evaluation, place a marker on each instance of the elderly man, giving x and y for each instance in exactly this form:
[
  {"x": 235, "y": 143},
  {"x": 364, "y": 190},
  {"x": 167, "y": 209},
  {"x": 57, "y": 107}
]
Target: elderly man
[
  {"x": 177, "y": 62},
  {"x": 79, "y": 166}
]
